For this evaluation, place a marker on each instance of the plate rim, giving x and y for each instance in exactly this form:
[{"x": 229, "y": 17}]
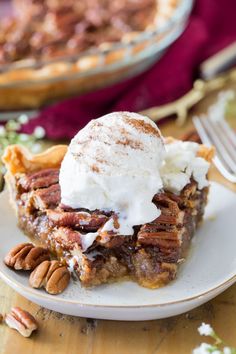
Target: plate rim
[{"x": 47, "y": 297}]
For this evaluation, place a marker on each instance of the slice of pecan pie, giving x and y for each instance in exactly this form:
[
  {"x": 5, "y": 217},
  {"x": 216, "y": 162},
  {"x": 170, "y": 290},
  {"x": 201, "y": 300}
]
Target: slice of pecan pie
[{"x": 150, "y": 256}]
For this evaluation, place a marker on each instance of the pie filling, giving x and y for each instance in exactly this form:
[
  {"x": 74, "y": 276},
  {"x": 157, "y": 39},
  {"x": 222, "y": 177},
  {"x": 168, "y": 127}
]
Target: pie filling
[{"x": 150, "y": 256}]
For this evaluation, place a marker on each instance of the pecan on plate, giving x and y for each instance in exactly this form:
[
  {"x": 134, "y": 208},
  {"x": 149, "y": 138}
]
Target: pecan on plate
[
  {"x": 26, "y": 256},
  {"x": 22, "y": 321},
  {"x": 52, "y": 275}
]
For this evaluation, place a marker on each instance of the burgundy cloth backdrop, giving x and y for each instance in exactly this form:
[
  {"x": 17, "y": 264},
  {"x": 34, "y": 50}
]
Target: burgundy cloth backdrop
[{"x": 211, "y": 27}]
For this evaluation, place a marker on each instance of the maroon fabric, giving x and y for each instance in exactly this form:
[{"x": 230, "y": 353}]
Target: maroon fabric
[{"x": 211, "y": 28}]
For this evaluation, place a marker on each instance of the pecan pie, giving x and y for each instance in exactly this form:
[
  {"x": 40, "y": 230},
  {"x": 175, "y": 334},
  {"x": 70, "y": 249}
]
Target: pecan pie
[
  {"x": 54, "y": 49},
  {"x": 150, "y": 256},
  {"x": 47, "y": 29}
]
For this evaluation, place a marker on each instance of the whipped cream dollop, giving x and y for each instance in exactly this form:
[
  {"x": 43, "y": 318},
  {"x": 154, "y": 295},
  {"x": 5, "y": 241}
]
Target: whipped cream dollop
[
  {"x": 180, "y": 164},
  {"x": 114, "y": 164}
]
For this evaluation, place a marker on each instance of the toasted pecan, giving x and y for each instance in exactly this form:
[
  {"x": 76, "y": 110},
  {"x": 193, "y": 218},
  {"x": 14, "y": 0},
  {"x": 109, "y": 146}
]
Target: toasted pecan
[
  {"x": 67, "y": 237},
  {"x": 52, "y": 275},
  {"x": 22, "y": 321},
  {"x": 46, "y": 197},
  {"x": 26, "y": 256},
  {"x": 40, "y": 179},
  {"x": 77, "y": 219}
]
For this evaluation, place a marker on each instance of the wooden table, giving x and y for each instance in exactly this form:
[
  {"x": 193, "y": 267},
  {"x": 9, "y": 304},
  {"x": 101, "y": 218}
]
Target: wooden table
[{"x": 66, "y": 334}]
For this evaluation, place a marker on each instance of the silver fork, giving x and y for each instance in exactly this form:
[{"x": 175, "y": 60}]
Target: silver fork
[{"x": 218, "y": 133}]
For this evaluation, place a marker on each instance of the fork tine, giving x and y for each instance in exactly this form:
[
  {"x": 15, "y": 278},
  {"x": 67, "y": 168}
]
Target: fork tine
[
  {"x": 201, "y": 131},
  {"x": 223, "y": 138},
  {"x": 228, "y": 131},
  {"x": 219, "y": 165},
  {"x": 220, "y": 146},
  {"x": 206, "y": 139}
]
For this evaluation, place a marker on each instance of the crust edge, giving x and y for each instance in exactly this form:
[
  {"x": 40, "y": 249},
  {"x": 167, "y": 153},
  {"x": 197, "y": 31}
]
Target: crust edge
[{"x": 19, "y": 159}]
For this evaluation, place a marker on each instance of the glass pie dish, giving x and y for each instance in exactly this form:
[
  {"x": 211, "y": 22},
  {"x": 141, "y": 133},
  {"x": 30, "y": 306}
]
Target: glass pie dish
[{"x": 32, "y": 83}]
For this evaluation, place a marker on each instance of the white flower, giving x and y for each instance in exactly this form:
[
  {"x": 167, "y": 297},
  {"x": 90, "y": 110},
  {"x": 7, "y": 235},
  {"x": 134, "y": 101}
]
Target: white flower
[
  {"x": 23, "y": 119},
  {"x": 13, "y": 125},
  {"x": 205, "y": 330},
  {"x": 2, "y": 130},
  {"x": 36, "y": 148},
  {"x": 23, "y": 137},
  {"x": 39, "y": 132},
  {"x": 203, "y": 349}
]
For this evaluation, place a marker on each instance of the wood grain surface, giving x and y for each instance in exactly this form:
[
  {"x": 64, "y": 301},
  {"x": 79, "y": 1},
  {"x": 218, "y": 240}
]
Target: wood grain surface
[{"x": 67, "y": 334}]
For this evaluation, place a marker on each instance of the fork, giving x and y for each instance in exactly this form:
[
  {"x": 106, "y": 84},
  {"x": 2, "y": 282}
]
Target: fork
[{"x": 217, "y": 132}]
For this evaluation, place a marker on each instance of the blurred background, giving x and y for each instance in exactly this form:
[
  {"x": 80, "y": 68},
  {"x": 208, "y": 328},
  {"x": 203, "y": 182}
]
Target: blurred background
[{"x": 64, "y": 63}]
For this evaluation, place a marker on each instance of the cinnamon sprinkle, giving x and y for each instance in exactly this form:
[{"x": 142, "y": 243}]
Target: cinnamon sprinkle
[
  {"x": 131, "y": 143},
  {"x": 142, "y": 126},
  {"x": 95, "y": 168}
]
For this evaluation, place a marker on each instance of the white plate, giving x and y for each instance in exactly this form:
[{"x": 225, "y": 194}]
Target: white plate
[{"x": 209, "y": 269}]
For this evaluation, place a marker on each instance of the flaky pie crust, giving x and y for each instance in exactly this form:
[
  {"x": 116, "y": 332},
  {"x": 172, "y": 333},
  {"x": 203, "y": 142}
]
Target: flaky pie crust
[{"x": 18, "y": 159}]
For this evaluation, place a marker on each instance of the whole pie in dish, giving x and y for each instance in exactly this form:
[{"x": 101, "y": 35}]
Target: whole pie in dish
[
  {"x": 55, "y": 49},
  {"x": 47, "y": 29},
  {"x": 121, "y": 202}
]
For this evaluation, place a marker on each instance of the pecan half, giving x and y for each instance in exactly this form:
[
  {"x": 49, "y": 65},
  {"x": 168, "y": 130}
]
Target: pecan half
[
  {"x": 40, "y": 179},
  {"x": 77, "y": 219},
  {"x": 22, "y": 321},
  {"x": 47, "y": 197},
  {"x": 26, "y": 256},
  {"x": 66, "y": 237},
  {"x": 52, "y": 275}
]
